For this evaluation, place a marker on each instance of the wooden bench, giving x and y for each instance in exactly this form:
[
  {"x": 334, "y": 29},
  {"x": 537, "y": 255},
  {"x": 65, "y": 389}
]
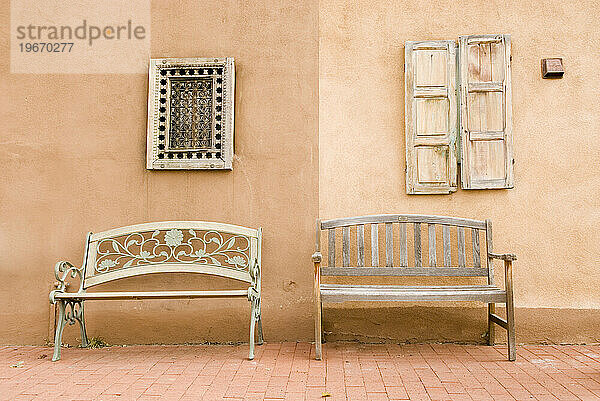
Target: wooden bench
[
  {"x": 397, "y": 264},
  {"x": 165, "y": 247}
]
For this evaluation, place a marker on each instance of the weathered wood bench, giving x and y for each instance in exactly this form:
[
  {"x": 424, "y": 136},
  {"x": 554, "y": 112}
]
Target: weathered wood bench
[
  {"x": 398, "y": 265},
  {"x": 165, "y": 247}
]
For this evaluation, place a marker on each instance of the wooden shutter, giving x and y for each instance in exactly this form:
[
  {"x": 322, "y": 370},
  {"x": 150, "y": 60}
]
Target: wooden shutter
[
  {"x": 486, "y": 112},
  {"x": 431, "y": 117}
]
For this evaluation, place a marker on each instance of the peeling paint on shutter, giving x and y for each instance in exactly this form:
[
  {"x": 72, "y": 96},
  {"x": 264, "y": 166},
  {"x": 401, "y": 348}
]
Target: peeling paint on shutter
[
  {"x": 431, "y": 117},
  {"x": 486, "y": 112}
]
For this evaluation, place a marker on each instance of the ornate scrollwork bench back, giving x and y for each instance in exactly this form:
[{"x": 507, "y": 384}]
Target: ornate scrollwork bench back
[
  {"x": 194, "y": 247},
  {"x": 164, "y": 247}
]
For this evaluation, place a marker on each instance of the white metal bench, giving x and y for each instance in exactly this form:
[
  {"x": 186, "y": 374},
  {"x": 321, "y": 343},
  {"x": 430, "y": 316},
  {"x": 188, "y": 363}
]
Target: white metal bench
[
  {"x": 165, "y": 247},
  {"x": 468, "y": 264}
]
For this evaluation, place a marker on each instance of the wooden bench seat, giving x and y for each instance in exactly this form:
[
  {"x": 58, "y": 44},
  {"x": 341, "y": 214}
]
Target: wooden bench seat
[
  {"x": 342, "y": 293},
  {"x": 439, "y": 263},
  {"x": 168, "y": 247}
]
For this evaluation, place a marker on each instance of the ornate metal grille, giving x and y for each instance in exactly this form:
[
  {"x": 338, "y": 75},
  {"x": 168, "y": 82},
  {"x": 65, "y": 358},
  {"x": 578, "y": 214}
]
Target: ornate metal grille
[
  {"x": 191, "y": 114},
  {"x": 190, "y": 122}
]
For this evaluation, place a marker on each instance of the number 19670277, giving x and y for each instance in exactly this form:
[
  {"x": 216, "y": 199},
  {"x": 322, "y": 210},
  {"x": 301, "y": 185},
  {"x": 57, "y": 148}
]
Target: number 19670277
[{"x": 48, "y": 47}]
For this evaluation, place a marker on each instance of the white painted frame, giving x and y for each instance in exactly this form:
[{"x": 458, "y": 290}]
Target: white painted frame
[{"x": 225, "y": 161}]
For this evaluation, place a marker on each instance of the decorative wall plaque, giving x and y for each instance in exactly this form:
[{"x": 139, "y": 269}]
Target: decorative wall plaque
[{"x": 190, "y": 113}]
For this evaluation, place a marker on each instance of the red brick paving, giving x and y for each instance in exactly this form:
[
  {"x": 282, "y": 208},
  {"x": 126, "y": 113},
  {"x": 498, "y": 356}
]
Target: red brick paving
[{"x": 288, "y": 372}]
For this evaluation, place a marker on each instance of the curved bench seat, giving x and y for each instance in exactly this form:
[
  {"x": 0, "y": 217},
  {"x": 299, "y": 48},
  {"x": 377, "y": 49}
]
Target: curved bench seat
[{"x": 152, "y": 294}]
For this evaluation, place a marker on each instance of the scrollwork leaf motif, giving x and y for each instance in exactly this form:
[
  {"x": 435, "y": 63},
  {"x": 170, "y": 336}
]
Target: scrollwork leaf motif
[
  {"x": 200, "y": 253},
  {"x": 128, "y": 263},
  {"x": 237, "y": 261},
  {"x": 106, "y": 264},
  {"x": 132, "y": 242}
]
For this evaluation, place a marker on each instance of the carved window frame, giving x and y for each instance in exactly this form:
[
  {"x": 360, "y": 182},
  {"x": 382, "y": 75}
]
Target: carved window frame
[{"x": 196, "y": 94}]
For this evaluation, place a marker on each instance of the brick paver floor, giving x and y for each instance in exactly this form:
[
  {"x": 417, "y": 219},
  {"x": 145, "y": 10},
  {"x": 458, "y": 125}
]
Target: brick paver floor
[{"x": 288, "y": 371}]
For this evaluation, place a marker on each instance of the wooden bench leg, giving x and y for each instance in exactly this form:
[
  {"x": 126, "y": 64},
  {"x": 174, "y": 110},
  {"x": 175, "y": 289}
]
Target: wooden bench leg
[
  {"x": 60, "y": 326},
  {"x": 318, "y": 332},
  {"x": 510, "y": 320},
  {"x": 510, "y": 311},
  {"x": 323, "y": 339},
  {"x": 491, "y": 327},
  {"x": 318, "y": 311}
]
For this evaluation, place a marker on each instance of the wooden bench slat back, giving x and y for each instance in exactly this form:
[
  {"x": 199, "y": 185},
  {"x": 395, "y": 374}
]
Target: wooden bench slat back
[
  {"x": 389, "y": 245},
  {"x": 435, "y": 267},
  {"x": 417, "y": 233},
  {"x": 360, "y": 245},
  {"x": 172, "y": 247},
  {"x": 374, "y": 245}
]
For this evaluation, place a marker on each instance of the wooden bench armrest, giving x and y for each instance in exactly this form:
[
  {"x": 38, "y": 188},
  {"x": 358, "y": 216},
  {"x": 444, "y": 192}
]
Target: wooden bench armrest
[
  {"x": 317, "y": 257},
  {"x": 508, "y": 258},
  {"x": 503, "y": 256}
]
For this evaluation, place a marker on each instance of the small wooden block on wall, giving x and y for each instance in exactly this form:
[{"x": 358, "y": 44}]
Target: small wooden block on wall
[
  {"x": 552, "y": 68},
  {"x": 190, "y": 114}
]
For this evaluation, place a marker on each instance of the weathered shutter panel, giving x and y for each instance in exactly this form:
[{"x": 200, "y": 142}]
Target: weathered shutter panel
[
  {"x": 431, "y": 117},
  {"x": 486, "y": 112}
]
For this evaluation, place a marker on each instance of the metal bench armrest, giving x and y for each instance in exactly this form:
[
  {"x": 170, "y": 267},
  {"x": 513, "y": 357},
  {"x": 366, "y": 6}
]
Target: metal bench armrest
[
  {"x": 255, "y": 275},
  {"x": 503, "y": 256},
  {"x": 62, "y": 271}
]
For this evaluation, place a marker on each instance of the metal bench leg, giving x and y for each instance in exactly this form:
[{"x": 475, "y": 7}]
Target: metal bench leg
[
  {"x": 60, "y": 325},
  {"x": 259, "y": 328},
  {"x": 491, "y": 327},
  {"x": 80, "y": 317},
  {"x": 253, "y": 319}
]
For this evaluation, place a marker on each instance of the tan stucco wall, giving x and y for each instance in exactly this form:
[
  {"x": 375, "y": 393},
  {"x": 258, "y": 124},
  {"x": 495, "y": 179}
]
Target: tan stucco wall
[
  {"x": 73, "y": 159},
  {"x": 551, "y": 218},
  {"x": 319, "y": 131}
]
